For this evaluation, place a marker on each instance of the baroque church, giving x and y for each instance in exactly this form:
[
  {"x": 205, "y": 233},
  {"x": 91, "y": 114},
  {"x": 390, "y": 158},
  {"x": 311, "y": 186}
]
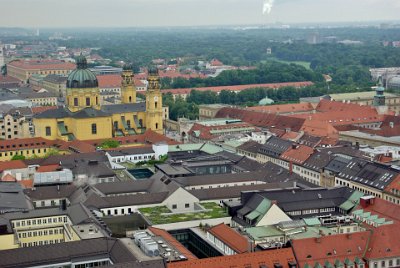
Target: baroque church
[{"x": 84, "y": 118}]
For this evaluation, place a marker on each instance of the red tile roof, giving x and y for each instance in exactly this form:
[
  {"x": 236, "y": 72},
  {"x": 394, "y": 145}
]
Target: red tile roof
[
  {"x": 17, "y": 144},
  {"x": 384, "y": 243},
  {"x": 14, "y": 164},
  {"x": 330, "y": 248},
  {"x": 206, "y": 131},
  {"x": 175, "y": 243},
  {"x": 284, "y": 108},
  {"x": 41, "y": 109},
  {"x": 297, "y": 155},
  {"x": 182, "y": 91},
  {"x": 259, "y": 119},
  {"x": 48, "y": 168},
  {"x": 245, "y": 260},
  {"x": 384, "y": 209},
  {"x": 149, "y": 137},
  {"x": 176, "y": 74},
  {"x": 109, "y": 81},
  {"x": 230, "y": 237},
  {"x": 215, "y": 62},
  {"x": 394, "y": 185},
  {"x": 291, "y": 135},
  {"x": 26, "y": 183},
  {"x": 6, "y": 79},
  {"x": 9, "y": 178},
  {"x": 78, "y": 146},
  {"x": 42, "y": 65}
]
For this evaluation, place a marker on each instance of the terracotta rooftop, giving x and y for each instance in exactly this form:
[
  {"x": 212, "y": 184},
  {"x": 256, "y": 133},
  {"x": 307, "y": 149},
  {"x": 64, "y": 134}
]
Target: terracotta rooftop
[
  {"x": 9, "y": 178},
  {"x": 149, "y": 137},
  {"x": 330, "y": 248},
  {"x": 41, "y": 109},
  {"x": 384, "y": 209},
  {"x": 394, "y": 185},
  {"x": 42, "y": 65},
  {"x": 281, "y": 122},
  {"x": 5, "y": 79},
  {"x": 175, "y": 243},
  {"x": 17, "y": 144},
  {"x": 297, "y": 155},
  {"x": 181, "y": 91},
  {"x": 284, "y": 108},
  {"x": 206, "y": 132},
  {"x": 384, "y": 242},
  {"x": 48, "y": 168},
  {"x": 256, "y": 259},
  {"x": 14, "y": 164},
  {"x": 78, "y": 146},
  {"x": 109, "y": 81},
  {"x": 216, "y": 62},
  {"x": 230, "y": 237}
]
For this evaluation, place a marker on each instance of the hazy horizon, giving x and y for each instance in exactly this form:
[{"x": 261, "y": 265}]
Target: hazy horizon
[{"x": 158, "y": 13}]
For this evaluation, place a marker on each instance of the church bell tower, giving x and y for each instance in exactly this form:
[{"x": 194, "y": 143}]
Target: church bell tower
[
  {"x": 128, "y": 89},
  {"x": 154, "y": 102}
]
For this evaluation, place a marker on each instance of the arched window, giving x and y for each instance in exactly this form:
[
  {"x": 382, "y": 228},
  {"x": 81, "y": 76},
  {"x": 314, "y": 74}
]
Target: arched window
[
  {"x": 87, "y": 101},
  {"x": 130, "y": 98}
]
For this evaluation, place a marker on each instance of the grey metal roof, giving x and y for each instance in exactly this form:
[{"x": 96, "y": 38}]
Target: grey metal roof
[
  {"x": 12, "y": 198},
  {"x": 235, "y": 191},
  {"x": 131, "y": 151},
  {"x": 124, "y": 187},
  {"x": 301, "y": 199},
  {"x": 65, "y": 252},
  {"x": 50, "y": 192},
  {"x": 275, "y": 146},
  {"x": 124, "y": 108}
]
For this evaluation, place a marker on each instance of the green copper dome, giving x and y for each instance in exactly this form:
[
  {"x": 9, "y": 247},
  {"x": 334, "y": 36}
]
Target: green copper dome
[{"x": 82, "y": 77}]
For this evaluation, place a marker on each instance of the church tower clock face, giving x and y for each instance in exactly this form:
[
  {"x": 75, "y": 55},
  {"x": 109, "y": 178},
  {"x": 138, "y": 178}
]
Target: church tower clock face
[{"x": 155, "y": 98}]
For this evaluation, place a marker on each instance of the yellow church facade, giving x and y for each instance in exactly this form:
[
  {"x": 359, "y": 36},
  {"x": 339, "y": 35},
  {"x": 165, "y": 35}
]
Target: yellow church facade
[{"x": 84, "y": 118}]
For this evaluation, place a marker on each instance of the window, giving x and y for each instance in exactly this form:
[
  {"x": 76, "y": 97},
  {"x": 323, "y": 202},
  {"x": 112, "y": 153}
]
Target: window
[
  {"x": 130, "y": 98},
  {"x": 48, "y": 131},
  {"x": 94, "y": 129},
  {"x": 383, "y": 264},
  {"x": 156, "y": 125},
  {"x": 187, "y": 205},
  {"x": 155, "y": 105},
  {"x": 87, "y": 101},
  {"x": 174, "y": 206},
  {"x": 75, "y": 101}
]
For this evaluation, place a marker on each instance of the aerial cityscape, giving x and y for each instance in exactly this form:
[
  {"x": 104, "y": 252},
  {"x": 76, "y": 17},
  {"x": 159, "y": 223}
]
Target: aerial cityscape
[{"x": 200, "y": 133}]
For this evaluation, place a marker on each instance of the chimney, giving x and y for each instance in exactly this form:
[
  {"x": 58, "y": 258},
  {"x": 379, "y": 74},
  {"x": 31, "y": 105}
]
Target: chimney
[{"x": 365, "y": 201}]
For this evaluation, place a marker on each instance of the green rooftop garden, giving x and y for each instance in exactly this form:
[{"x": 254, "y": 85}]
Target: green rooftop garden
[{"x": 163, "y": 215}]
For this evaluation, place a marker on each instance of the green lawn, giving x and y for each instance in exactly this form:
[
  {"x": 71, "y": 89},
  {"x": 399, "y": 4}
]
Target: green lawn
[{"x": 160, "y": 215}]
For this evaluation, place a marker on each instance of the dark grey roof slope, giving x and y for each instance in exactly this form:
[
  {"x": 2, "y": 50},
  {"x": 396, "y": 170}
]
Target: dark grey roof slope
[
  {"x": 302, "y": 199},
  {"x": 124, "y": 187},
  {"x": 50, "y": 192},
  {"x": 12, "y": 198},
  {"x": 250, "y": 146},
  {"x": 88, "y": 113},
  {"x": 370, "y": 174},
  {"x": 124, "y": 108},
  {"x": 275, "y": 146},
  {"x": 65, "y": 252},
  {"x": 131, "y": 151},
  {"x": 234, "y": 192},
  {"x": 55, "y": 113}
]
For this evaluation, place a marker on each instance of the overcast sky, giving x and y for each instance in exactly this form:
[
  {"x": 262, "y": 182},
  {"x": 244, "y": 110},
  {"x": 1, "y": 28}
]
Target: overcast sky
[{"x": 123, "y": 13}]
